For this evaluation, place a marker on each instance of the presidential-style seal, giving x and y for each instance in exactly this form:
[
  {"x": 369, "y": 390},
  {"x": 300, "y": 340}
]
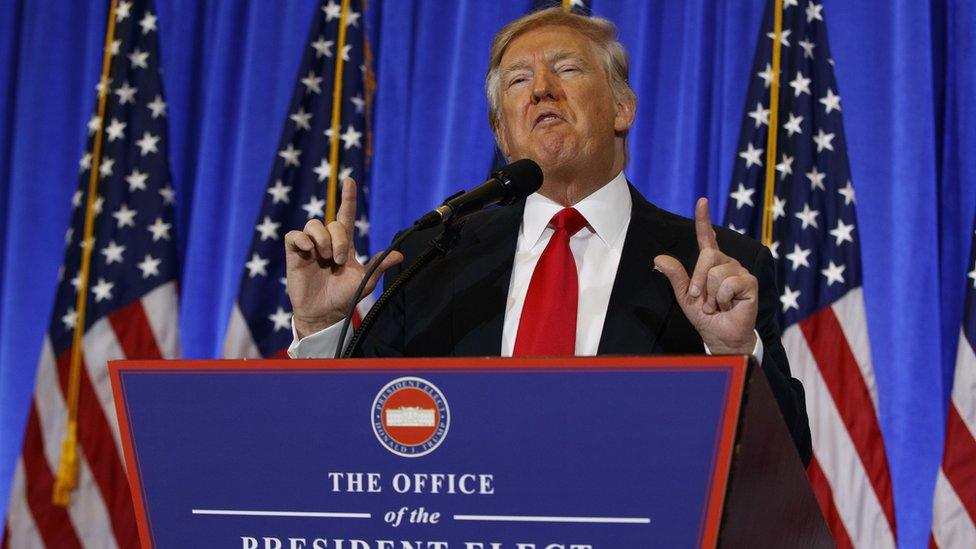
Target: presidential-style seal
[{"x": 410, "y": 416}]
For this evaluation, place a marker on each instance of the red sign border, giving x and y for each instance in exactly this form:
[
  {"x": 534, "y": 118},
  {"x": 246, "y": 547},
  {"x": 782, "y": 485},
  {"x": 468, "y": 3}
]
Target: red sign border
[{"x": 721, "y": 463}]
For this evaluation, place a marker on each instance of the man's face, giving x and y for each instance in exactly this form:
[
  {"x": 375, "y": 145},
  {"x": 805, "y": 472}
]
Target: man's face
[{"x": 556, "y": 104}]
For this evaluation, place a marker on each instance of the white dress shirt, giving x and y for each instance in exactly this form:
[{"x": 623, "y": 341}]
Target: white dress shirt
[{"x": 596, "y": 249}]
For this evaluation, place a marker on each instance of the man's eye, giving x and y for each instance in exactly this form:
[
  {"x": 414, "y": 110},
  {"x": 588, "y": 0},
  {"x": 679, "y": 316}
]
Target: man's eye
[
  {"x": 568, "y": 69},
  {"x": 516, "y": 80}
]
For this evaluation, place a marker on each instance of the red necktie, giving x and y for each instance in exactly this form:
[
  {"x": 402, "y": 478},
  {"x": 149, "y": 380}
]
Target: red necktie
[{"x": 548, "y": 322}]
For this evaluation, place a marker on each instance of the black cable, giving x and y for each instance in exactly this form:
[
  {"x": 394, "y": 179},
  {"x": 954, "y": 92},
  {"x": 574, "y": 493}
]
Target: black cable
[
  {"x": 438, "y": 246},
  {"x": 362, "y": 285}
]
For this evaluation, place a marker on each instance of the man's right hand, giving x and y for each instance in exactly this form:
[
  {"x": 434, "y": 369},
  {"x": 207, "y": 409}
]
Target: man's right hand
[{"x": 322, "y": 269}]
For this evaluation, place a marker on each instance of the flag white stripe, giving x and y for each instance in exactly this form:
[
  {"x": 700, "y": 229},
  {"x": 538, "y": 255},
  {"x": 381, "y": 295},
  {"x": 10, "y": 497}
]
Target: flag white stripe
[
  {"x": 102, "y": 345},
  {"x": 951, "y": 525},
  {"x": 21, "y": 529},
  {"x": 238, "y": 342},
  {"x": 49, "y": 401},
  {"x": 849, "y": 311},
  {"x": 857, "y": 503},
  {"x": 964, "y": 385},
  {"x": 88, "y": 513},
  {"x": 365, "y": 305},
  {"x": 161, "y": 306}
]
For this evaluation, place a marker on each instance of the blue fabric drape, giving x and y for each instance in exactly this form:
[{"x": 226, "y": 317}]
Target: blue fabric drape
[
  {"x": 957, "y": 83},
  {"x": 906, "y": 72}
]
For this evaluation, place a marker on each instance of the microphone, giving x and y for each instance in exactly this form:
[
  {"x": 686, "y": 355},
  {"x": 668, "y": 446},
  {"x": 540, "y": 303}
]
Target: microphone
[{"x": 506, "y": 186}]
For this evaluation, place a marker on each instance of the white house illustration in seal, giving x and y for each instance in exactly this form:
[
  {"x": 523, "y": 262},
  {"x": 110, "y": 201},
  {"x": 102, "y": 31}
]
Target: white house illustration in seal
[{"x": 410, "y": 416}]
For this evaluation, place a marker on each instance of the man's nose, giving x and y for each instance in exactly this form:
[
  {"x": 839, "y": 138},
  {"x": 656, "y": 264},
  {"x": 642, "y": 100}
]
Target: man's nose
[{"x": 544, "y": 87}]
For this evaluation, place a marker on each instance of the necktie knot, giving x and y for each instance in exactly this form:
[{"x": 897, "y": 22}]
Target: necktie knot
[{"x": 569, "y": 220}]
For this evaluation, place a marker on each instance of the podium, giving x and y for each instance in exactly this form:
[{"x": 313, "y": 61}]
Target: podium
[{"x": 483, "y": 453}]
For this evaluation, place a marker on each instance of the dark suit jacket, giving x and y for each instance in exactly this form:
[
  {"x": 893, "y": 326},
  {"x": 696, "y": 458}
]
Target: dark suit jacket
[{"x": 456, "y": 305}]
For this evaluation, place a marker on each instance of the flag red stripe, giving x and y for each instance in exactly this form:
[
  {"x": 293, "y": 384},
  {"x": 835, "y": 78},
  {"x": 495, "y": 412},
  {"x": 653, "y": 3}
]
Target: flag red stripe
[
  {"x": 134, "y": 332},
  {"x": 282, "y": 354},
  {"x": 821, "y": 489},
  {"x": 96, "y": 441},
  {"x": 959, "y": 461},
  {"x": 53, "y": 523},
  {"x": 840, "y": 372}
]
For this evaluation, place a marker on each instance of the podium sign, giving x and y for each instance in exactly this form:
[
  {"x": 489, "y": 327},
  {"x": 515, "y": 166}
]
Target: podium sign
[{"x": 497, "y": 453}]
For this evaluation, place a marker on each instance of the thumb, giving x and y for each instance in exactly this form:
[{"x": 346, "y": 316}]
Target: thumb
[
  {"x": 675, "y": 273},
  {"x": 394, "y": 258}
]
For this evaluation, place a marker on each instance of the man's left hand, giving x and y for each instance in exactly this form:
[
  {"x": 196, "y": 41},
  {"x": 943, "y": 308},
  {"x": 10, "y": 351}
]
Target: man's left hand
[{"x": 721, "y": 298}]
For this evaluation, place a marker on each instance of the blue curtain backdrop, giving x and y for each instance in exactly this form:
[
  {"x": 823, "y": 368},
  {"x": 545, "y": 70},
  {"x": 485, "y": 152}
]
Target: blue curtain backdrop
[{"x": 906, "y": 71}]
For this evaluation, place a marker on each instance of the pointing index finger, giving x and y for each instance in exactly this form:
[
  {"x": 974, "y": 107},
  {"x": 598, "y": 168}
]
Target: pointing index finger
[
  {"x": 347, "y": 208},
  {"x": 703, "y": 226}
]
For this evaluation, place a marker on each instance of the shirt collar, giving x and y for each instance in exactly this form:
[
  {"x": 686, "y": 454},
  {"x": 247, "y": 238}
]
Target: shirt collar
[{"x": 607, "y": 210}]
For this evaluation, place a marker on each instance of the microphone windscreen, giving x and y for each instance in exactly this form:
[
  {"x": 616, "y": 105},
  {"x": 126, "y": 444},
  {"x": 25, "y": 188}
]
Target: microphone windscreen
[{"x": 520, "y": 179}]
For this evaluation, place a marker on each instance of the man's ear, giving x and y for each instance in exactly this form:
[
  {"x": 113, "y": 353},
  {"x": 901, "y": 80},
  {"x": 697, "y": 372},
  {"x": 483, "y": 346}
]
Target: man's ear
[{"x": 626, "y": 110}]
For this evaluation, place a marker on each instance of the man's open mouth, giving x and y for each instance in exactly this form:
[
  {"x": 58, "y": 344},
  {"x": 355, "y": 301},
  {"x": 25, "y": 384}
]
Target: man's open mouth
[{"x": 547, "y": 117}]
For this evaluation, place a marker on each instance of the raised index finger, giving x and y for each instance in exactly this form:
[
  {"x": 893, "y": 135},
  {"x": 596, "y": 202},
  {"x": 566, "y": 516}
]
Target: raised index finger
[
  {"x": 347, "y": 207},
  {"x": 703, "y": 226}
]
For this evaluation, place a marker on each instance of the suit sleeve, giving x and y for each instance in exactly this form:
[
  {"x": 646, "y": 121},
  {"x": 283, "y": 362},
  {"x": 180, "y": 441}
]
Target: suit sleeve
[{"x": 787, "y": 390}]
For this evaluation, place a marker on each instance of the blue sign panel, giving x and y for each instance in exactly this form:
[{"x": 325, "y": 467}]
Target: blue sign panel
[{"x": 476, "y": 454}]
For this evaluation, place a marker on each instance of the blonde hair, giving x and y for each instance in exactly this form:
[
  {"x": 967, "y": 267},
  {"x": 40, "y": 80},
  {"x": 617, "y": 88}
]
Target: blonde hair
[{"x": 602, "y": 32}]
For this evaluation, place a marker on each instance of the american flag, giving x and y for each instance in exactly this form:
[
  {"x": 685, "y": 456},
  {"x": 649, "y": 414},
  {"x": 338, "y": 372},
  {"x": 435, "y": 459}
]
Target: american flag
[
  {"x": 130, "y": 302},
  {"x": 297, "y": 191},
  {"x": 816, "y": 245},
  {"x": 954, "y": 509}
]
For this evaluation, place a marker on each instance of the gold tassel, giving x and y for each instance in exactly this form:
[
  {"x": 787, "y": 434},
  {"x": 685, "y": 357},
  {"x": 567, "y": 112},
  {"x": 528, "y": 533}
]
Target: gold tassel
[{"x": 67, "y": 479}]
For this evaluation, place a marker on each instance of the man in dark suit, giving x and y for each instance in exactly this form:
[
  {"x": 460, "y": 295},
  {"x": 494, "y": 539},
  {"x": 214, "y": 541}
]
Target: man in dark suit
[{"x": 584, "y": 266}]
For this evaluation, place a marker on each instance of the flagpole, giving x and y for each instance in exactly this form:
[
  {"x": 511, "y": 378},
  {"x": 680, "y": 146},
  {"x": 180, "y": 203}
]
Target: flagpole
[
  {"x": 770, "y": 188},
  {"x": 369, "y": 88},
  {"x": 330, "y": 196},
  {"x": 67, "y": 476}
]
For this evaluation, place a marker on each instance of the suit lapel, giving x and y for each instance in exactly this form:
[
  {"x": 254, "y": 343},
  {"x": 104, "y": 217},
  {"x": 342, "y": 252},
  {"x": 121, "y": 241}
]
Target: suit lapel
[
  {"x": 642, "y": 297},
  {"x": 483, "y": 266}
]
